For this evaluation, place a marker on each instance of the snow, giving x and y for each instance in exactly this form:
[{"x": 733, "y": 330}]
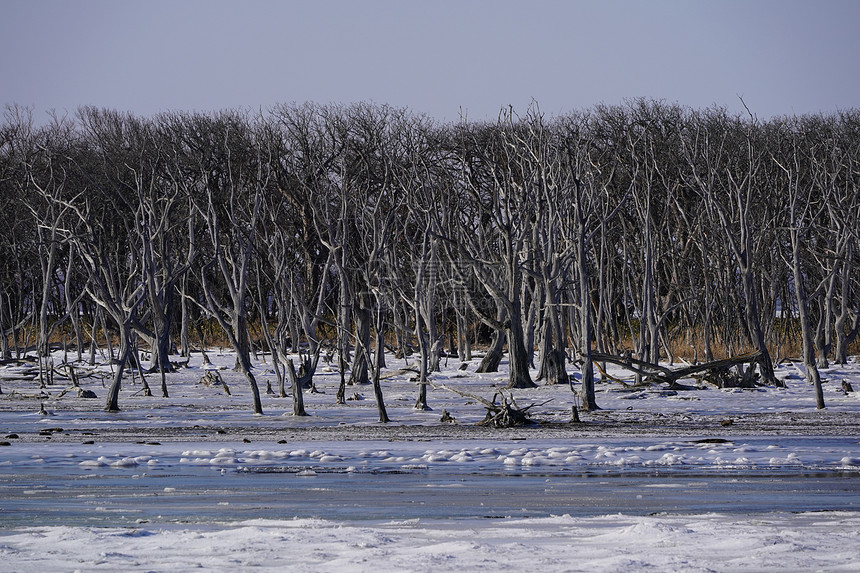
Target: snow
[
  {"x": 608, "y": 543},
  {"x": 702, "y": 480}
]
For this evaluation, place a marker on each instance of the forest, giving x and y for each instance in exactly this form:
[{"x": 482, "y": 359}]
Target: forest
[{"x": 646, "y": 232}]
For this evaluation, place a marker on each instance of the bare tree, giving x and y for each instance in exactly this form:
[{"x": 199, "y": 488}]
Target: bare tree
[
  {"x": 805, "y": 204},
  {"x": 47, "y": 175},
  {"x": 235, "y": 177},
  {"x": 489, "y": 232},
  {"x": 844, "y": 215},
  {"x": 97, "y": 221},
  {"x": 723, "y": 161},
  {"x": 20, "y": 264},
  {"x": 589, "y": 180}
]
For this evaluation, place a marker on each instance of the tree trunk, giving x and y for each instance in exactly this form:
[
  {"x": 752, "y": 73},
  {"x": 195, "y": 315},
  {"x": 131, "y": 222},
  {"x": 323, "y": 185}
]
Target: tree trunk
[
  {"x": 377, "y": 371},
  {"x": 278, "y": 365},
  {"x": 359, "y": 373},
  {"x": 344, "y": 308},
  {"x": 184, "y": 345},
  {"x": 589, "y": 402},
  {"x": 298, "y": 397},
  {"x": 823, "y": 338},
  {"x": 754, "y": 325},
  {"x": 464, "y": 346},
  {"x": 244, "y": 366},
  {"x": 423, "y": 361},
  {"x": 844, "y": 306},
  {"x": 112, "y": 401},
  {"x": 553, "y": 356},
  {"x": 530, "y": 324},
  {"x": 491, "y": 361},
  {"x": 5, "y": 352},
  {"x": 812, "y": 375},
  {"x": 400, "y": 333},
  {"x": 517, "y": 352},
  {"x": 242, "y": 338}
]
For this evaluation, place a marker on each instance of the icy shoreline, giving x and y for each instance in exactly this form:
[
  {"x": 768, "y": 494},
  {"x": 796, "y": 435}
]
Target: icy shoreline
[{"x": 598, "y": 425}]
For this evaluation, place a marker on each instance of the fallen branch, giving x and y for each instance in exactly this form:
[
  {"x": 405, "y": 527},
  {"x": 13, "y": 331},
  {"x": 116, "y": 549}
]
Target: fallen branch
[{"x": 610, "y": 376}]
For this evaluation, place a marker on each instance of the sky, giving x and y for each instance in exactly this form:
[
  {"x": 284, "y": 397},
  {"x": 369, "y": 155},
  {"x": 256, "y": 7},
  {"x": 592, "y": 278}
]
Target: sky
[{"x": 443, "y": 58}]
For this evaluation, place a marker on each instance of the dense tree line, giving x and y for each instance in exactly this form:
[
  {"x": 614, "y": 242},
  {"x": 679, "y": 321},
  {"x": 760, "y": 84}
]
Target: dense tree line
[{"x": 647, "y": 229}]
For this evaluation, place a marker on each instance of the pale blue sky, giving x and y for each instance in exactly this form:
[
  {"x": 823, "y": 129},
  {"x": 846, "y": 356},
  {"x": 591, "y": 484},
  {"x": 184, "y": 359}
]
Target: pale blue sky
[{"x": 436, "y": 57}]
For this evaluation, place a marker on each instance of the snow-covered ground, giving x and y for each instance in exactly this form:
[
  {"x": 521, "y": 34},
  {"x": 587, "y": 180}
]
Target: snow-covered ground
[
  {"x": 700, "y": 480},
  {"x": 708, "y": 542}
]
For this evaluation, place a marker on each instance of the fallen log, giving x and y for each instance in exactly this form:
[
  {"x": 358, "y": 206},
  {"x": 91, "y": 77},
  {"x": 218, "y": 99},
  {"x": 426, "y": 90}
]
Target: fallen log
[{"x": 715, "y": 370}]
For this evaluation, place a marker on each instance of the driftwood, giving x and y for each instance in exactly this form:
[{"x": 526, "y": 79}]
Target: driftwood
[
  {"x": 400, "y": 372},
  {"x": 81, "y": 392},
  {"x": 715, "y": 372},
  {"x": 505, "y": 415},
  {"x": 213, "y": 378},
  {"x": 25, "y": 372},
  {"x": 19, "y": 362}
]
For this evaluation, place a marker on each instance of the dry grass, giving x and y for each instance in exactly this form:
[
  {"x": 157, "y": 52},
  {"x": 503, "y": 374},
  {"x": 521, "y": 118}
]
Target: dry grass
[
  {"x": 689, "y": 345},
  {"x": 685, "y": 344}
]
